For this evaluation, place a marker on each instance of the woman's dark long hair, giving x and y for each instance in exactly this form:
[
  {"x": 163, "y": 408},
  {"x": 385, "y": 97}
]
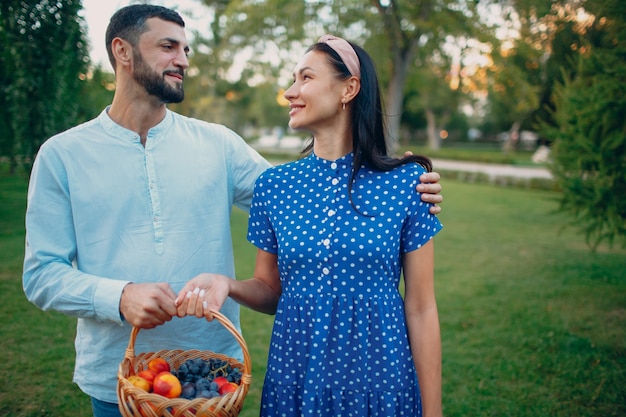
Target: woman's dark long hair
[{"x": 369, "y": 144}]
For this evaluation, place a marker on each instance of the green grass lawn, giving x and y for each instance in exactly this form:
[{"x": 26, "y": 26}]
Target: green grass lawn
[{"x": 533, "y": 323}]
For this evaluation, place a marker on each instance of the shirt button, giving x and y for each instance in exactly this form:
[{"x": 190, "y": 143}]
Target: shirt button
[
  {"x": 333, "y": 165},
  {"x": 325, "y": 271},
  {"x": 335, "y": 181},
  {"x": 157, "y": 219},
  {"x": 331, "y": 213},
  {"x": 326, "y": 242}
]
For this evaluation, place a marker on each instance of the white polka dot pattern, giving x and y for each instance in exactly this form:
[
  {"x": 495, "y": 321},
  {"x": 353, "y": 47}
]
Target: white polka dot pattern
[{"x": 339, "y": 344}]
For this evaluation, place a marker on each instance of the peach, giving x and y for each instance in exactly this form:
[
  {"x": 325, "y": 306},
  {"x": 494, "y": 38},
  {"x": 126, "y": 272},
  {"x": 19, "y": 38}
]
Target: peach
[
  {"x": 167, "y": 385},
  {"x": 227, "y": 387},
  {"x": 220, "y": 381},
  {"x": 148, "y": 375},
  {"x": 139, "y": 382},
  {"x": 159, "y": 365}
]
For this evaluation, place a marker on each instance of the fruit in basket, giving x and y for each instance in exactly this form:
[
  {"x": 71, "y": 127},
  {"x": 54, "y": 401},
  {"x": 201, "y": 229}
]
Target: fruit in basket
[
  {"x": 158, "y": 365},
  {"x": 202, "y": 378},
  {"x": 220, "y": 381},
  {"x": 228, "y": 387},
  {"x": 167, "y": 385},
  {"x": 148, "y": 375},
  {"x": 207, "y": 394},
  {"x": 139, "y": 382},
  {"x": 188, "y": 390}
]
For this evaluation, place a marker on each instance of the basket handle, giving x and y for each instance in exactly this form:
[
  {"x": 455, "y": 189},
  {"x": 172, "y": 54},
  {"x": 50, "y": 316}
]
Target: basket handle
[{"x": 130, "y": 350}]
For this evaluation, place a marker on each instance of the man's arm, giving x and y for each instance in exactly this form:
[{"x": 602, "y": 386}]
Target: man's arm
[{"x": 49, "y": 279}]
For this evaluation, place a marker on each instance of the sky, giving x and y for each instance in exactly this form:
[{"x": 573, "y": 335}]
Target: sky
[{"x": 98, "y": 12}]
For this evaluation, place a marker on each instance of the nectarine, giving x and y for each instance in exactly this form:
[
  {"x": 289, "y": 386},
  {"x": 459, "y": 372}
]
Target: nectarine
[
  {"x": 227, "y": 387},
  {"x": 139, "y": 382},
  {"x": 159, "y": 365},
  {"x": 220, "y": 380},
  {"x": 148, "y": 375},
  {"x": 167, "y": 385}
]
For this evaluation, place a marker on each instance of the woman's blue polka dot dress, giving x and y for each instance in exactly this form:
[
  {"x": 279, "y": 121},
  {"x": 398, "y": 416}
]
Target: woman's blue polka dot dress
[{"x": 339, "y": 345}]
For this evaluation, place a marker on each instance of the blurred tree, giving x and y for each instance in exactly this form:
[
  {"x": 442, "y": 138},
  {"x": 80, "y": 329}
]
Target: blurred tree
[
  {"x": 97, "y": 92},
  {"x": 589, "y": 134},
  {"x": 539, "y": 42},
  {"x": 221, "y": 89},
  {"x": 44, "y": 53},
  {"x": 429, "y": 94},
  {"x": 564, "y": 48},
  {"x": 416, "y": 34},
  {"x": 517, "y": 70},
  {"x": 400, "y": 34}
]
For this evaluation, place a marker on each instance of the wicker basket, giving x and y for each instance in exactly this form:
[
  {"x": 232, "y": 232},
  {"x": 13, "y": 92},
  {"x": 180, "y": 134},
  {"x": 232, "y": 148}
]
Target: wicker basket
[{"x": 134, "y": 402}]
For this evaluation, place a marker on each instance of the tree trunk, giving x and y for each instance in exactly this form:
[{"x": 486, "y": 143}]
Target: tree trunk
[
  {"x": 395, "y": 98},
  {"x": 434, "y": 141}
]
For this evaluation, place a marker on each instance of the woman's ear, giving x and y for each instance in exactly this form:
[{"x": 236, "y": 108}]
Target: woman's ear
[{"x": 352, "y": 88}]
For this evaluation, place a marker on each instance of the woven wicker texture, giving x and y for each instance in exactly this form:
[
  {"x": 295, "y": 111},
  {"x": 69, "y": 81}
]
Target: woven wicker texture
[{"x": 134, "y": 402}]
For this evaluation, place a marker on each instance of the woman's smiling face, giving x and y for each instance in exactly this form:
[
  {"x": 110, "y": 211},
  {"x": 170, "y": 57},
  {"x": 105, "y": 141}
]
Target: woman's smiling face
[{"x": 315, "y": 95}]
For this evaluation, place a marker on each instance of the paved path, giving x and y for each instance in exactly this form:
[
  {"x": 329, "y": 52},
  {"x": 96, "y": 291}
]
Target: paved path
[{"x": 492, "y": 170}]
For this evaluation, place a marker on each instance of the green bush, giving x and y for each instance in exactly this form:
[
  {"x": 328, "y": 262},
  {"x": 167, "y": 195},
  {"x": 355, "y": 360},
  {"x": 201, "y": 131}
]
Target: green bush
[{"x": 589, "y": 150}]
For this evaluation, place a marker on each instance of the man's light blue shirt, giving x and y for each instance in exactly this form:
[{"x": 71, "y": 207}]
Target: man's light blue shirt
[{"x": 103, "y": 211}]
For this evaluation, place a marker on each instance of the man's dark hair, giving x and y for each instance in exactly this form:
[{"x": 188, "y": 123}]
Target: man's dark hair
[{"x": 129, "y": 23}]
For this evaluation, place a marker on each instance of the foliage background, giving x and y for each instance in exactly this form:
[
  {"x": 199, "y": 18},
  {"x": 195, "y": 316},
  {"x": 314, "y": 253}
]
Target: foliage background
[
  {"x": 447, "y": 68},
  {"x": 42, "y": 65},
  {"x": 589, "y": 133}
]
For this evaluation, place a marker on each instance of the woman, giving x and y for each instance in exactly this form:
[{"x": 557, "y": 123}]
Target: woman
[{"x": 335, "y": 231}]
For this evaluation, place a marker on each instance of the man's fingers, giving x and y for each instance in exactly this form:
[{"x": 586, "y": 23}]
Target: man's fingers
[
  {"x": 432, "y": 198},
  {"x": 430, "y": 177}
]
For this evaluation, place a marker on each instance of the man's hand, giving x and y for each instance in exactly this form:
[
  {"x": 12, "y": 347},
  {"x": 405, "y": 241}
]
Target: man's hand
[
  {"x": 431, "y": 189},
  {"x": 147, "y": 305}
]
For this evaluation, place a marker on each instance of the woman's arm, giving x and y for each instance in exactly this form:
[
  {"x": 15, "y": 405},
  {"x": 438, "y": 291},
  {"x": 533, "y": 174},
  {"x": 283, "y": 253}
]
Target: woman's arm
[
  {"x": 207, "y": 292},
  {"x": 422, "y": 320},
  {"x": 262, "y": 292}
]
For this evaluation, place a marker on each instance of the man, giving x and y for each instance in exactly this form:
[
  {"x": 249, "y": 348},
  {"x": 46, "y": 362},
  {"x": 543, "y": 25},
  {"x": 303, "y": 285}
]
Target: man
[{"x": 123, "y": 210}]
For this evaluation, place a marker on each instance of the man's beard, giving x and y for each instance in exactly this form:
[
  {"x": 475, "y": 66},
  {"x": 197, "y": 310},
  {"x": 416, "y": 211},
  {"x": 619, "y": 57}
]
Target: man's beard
[{"x": 154, "y": 83}]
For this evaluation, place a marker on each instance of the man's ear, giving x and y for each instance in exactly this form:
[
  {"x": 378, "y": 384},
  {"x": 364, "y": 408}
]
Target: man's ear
[{"x": 122, "y": 52}]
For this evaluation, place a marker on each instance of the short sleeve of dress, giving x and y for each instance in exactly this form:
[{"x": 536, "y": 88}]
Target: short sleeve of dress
[
  {"x": 420, "y": 226},
  {"x": 260, "y": 229}
]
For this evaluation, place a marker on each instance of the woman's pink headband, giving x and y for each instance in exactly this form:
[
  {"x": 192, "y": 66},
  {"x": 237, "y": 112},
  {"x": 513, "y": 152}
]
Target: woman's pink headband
[{"x": 345, "y": 52}]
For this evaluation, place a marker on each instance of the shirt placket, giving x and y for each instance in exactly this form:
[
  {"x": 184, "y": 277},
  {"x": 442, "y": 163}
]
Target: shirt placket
[
  {"x": 155, "y": 201},
  {"x": 330, "y": 212}
]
